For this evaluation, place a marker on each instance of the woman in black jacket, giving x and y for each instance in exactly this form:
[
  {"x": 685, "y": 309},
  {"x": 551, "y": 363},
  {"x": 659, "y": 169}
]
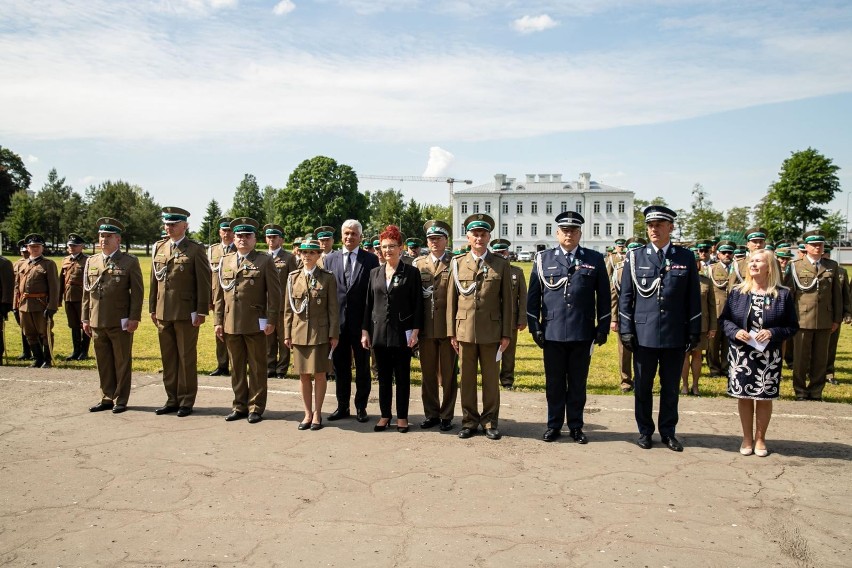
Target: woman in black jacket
[
  {"x": 393, "y": 317},
  {"x": 759, "y": 316}
]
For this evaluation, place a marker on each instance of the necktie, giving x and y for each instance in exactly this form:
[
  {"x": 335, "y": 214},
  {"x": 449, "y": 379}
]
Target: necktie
[
  {"x": 570, "y": 257},
  {"x": 478, "y": 264},
  {"x": 171, "y": 248},
  {"x": 660, "y": 256},
  {"x": 346, "y": 267},
  {"x": 435, "y": 263}
]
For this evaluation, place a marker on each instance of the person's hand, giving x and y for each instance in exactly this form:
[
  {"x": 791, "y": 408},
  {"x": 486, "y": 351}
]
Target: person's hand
[
  {"x": 504, "y": 343},
  {"x": 365, "y": 339},
  {"x": 288, "y": 343},
  {"x": 455, "y": 344},
  {"x": 199, "y": 319},
  {"x": 154, "y": 317},
  {"x": 269, "y": 329},
  {"x": 628, "y": 341},
  {"x": 538, "y": 337},
  {"x": 522, "y": 327},
  {"x": 132, "y": 325},
  {"x": 220, "y": 332},
  {"x": 614, "y": 326},
  {"x": 743, "y": 336},
  {"x": 413, "y": 340},
  {"x": 87, "y": 329},
  {"x": 694, "y": 342},
  {"x": 601, "y": 338},
  {"x": 835, "y": 327},
  {"x": 333, "y": 342},
  {"x": 711, "y": 334},
  {"x": 763, "y": 335}
]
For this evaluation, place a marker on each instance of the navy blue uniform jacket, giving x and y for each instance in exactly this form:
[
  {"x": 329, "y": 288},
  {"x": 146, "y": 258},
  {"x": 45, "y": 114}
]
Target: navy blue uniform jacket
[
  {"x": 667, "y": 318},
  {"x": 352, "y": 298},
  {"x": 568, "y": 314},
  {"x": 779, "y": 316}
]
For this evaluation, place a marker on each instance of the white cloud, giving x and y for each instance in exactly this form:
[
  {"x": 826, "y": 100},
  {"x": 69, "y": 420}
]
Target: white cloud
[
  {"x": 283, "y": 7},
  {"x": 440, "y": 162},
  {"x": 194, "y": 6},
  {"x": 32, "y": 159},
  {"x": 531, "y": 24}
]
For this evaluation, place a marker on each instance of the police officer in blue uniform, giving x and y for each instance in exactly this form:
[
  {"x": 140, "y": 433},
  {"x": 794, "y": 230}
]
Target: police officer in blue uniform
[
  {"x": 568, "y": 307},
  {"x": 659, "y": 319}
]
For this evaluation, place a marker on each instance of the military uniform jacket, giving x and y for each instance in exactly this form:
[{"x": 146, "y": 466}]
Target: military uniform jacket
[
  {"x": 392, "y": 310},
  {"x": 435, "y": 281},
  {"x": 247, "y": 293},
  {"x": 318, "y": 319},
  {"x": 817, "y": 293},
  {"x": 486, "y": 313},
  {"x": 7, "y": 281},
  {"x": 845, "y": 290},
  {"x": 615, "y": 290},
  {"x": 577, "y": 309},
  {"x": 285, "y": 262},
  {"x": 115, "y": 290},
  {"x": 37, "y": 286},
  {"x": 180, "y": 281},
  {"x": 519, "y": 294},
  {"x": 719, "y": 275},
  {"x": 71, "y": 278},
  {"x": 708, "y": 304},
  {"x": 613, "y": 259},
  {"x": 665, "y": 317}
]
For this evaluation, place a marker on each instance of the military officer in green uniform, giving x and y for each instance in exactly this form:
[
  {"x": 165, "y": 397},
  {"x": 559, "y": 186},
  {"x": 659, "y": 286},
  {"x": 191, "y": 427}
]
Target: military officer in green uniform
[
  {"x": 71, "y": 290},
  {"x": 439, "y": 386},
  {"x": 37, "y": 299},
  {"x": 111, "y": 311},
  {"x": 614, "y": 257},
  {"x": 412, "y": 250},
  {"x": 625, "y": 357},
  {"x": 7, "y": 299},
  {"x": 325, "y": 236},
  {"x": 519, "y": 300},
  {"x": 480, "y": 320},
  {"x": 278, "y": 354},
  {"x": 248, "y": 306},
  {"x": 719, "y": 274},
  {"x": 26, "y": 354},
  {"x": 819, "y": 305},
  {"x": 179, "y": 300},
  {"x": 214, "y": 254},
  {"x": 847, "y": 317}
]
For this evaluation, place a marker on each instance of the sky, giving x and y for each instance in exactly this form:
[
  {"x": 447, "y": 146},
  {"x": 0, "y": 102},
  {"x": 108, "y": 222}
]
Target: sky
[{"x": 184, "y": 97}]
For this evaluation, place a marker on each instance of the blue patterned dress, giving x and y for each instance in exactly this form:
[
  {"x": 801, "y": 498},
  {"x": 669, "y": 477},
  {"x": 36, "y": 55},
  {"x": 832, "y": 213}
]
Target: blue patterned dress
[{"x": 752, "y": 374}]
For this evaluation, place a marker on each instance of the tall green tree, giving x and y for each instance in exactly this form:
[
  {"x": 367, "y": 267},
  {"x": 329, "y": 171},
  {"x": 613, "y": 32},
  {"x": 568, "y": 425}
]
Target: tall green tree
[
  {"x": 131, "y": 205},
  {"x": 702, "y": 221},
  {"x": 832, "y": 226},
  {"x": 807, "y": 181},
  {"x": 736, "y": 219},
  {"x": 769, "y": 214},
  {"x": 208, "y": 231},
  {"x": 639, "y": 205},
  {"x": 24, "y": 217},
  {"x": 269, "y": 196},
  {"x": 386, "y": 208},
  {"x": 51, "y": 200},
  {"x": 146, "y": 220},
  {"x": 320, "y": 192},
  {"x": 14, "y": 177},
  {"x": 411, "y": 224},
  {"x": 248, "y": 201},
  {"x": 439, "y": 212},
  {"x": 74, "y": 215}
]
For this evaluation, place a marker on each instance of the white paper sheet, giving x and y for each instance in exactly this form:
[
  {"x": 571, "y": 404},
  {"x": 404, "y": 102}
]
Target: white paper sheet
[
  {"x": 194, "y": 317},
  {"x": 124, "y": 323},
  {"x": 757, "y": 344},
  {"x": 261, "y": 322}
]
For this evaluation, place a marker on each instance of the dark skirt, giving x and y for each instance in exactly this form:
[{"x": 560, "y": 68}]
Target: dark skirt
[{"x": 753, "y": 374}]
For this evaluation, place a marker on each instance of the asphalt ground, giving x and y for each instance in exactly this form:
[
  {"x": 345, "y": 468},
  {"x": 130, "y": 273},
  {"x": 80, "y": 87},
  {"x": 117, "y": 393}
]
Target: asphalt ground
[{"x": 136, "y": 489}]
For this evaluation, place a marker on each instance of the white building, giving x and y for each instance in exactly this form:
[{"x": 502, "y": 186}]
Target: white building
[{"x": 524, "y": 211}]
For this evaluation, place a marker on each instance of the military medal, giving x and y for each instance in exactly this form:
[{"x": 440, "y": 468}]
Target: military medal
[
  {"x": 644, "y": 282},
  {"x": 181, "y": 268},
  {"x": 319, "y": 301}
]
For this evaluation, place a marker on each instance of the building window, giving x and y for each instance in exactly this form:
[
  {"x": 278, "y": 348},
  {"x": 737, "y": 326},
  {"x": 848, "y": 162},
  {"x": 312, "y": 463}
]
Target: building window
[
  {"x": 504, "y": 230},
  {"x": 578, "y": 207},
  {"x": 609, "y": 229},
  {"x": 519, "y": 208},
  {"x": 621, "y": 229},
  {"x": 476, "y": 206},
  {"x": 488, "y": 207},
  {"x": 534, "y": 208},
  {"x": 621, "y": 207},
  {"x": 518, "y": 248},
  {"x": 596, "y": 229},
  {"x": 534, "y": 230},
  {"x": 463, "y": 230},
  {"x": 464, "y": 207},
  {"x": 505, "y": 208},
  {"x": 548, "y": 208},
  {"x": 548, "y": 230},
  {"x": 609, "y": 206},
  {"x": 597, "y": 207},
  {"x": 563, "y": 206},
  {"x": 519, "y": 230}
]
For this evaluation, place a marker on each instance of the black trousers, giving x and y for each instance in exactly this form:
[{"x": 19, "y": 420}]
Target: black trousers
[
  {"x": 349, "y": 347},
  {"x": 645, "y": 363},
  {"x": 566, "y": 368},
  {"x": 394, "y": 365}
]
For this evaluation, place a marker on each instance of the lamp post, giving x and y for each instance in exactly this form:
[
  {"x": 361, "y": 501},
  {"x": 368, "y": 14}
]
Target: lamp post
[{"x": 846, "y": 225}]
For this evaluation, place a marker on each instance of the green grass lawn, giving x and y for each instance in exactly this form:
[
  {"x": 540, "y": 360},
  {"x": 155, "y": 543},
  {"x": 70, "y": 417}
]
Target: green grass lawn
[{"x": 529, "y": 370}]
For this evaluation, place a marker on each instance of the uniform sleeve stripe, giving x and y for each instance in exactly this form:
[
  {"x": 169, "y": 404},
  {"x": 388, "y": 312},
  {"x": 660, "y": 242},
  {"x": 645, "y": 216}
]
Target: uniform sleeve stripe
[
  {"x": 695, "y": 316},
  {"x": 604, "y": 317},
  {"x": 625, "y": 316},
  {"x": 532, "y": 315}
]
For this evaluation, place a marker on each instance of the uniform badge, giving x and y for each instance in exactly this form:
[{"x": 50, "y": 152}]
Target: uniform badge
[{"x": 319, "y": 301}]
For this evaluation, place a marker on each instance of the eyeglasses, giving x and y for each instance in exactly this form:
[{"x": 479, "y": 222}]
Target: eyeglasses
[{"x": 389, "y": 247}]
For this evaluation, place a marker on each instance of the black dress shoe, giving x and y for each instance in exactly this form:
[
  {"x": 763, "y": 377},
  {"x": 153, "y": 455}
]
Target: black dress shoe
[
  {"x": 429, "y": 423},
  {"x": 339, "y": 413},
  {"x": 466, "y": 433},
  {"x": 493, "y": 434},
  {"x": 644, "y": 442},
  {"x": 254, "y": 418},
  {"x": 578, "y": 436},
  {"x": 361, "y": 415},
  {"x": 219, "y": 372},
  {"x": 119, "y": 408},
  {"x": 446, "y": 425},
  {"x": 184, "y": 411},
  {"x": 672, "y": 443},
  {"x": 304, "y": 425},
  {"x": 316, "y": 425},
  {"x": 551, "y": 434},
  {"x": 270, "y": 374},
  {"x": 234, "y": 415},
  {"x": 100, "y": 407},
  {"x": 279, "y": 375},
  {"x": 36, "y": 364},
  {"x": 402, "y": 429},
  {"x": 381, "y": 427},
  {"x": 831, "y": 380},
  {"x": 166, "y": 410}
]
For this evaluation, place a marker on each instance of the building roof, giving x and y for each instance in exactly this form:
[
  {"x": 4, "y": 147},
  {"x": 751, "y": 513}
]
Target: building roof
[{"x": 543, "y": 183}]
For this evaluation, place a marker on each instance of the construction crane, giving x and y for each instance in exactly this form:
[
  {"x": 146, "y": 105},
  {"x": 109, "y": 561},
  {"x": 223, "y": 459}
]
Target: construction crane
[{"x": 448, "y": 180}]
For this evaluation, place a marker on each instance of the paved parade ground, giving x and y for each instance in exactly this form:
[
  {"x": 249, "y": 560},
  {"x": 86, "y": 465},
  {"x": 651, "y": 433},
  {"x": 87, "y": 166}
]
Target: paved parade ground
[{"x": 82, "y": 489}]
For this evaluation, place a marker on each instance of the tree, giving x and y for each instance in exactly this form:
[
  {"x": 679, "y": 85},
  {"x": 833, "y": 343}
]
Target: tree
[
  {"x": 411, "y": 224},
  {"x": 51, "y": 200},
  {"x": 24, "y": 217},
  {"x": 146, "y": 220},
  {"x": 208, "y": 230},
  {"x": 439, "y": 212},
  {"x": 736, "y": 219},
  {"x": 320, "y": 192},
  {"x": 386, "y": 208},
  {"x": 768, "y": 214},
  {"x": 131, "y": 205},
  {"x": 74, "y": 214},
  {"x": 14, "y": 177},
  {"x": 832, "y": 226},
  {"x": 639, "y": 205},
  {"x": 806, "y": 181},
  {"x": 247, "y": 200},
  {"x": 268, "y": 196},
  {"x": 702, "y": 221}
]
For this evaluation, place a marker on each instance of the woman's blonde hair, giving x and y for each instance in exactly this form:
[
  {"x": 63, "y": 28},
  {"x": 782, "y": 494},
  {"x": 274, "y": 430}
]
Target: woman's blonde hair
[{"x": 748, "y": 284}]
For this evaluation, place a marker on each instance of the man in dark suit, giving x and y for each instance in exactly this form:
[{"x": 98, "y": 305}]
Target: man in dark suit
[
  {"x": 568, "y": 307},
  {"x": 351, "y": 268},
  {"x": 659, "y": 319}
]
